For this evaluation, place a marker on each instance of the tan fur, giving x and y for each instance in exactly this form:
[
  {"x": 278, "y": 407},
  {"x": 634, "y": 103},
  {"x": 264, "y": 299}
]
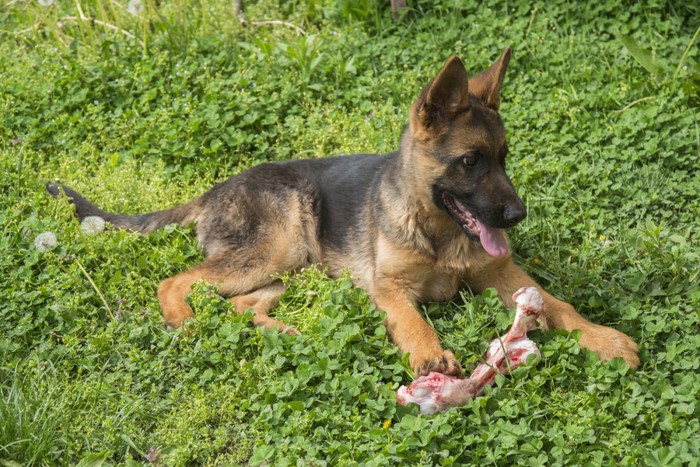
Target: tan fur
[
  {"x": 261, "y": 302},
  {"x": 488, "y": 84}
]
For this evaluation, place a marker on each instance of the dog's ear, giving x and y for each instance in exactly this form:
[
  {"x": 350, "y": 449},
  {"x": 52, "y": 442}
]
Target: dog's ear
[
  {"x": 487, "y": 85},
  {"x": 445, "y": 96}
]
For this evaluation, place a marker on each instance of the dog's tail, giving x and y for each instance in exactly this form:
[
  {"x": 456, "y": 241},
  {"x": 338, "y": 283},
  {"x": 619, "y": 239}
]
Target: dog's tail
[{"x": 143, "y": 223}]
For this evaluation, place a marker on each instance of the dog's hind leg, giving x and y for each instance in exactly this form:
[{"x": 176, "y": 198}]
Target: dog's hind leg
[
  {"x": 172, "y": 293},
  {"x": 254, "y": 283},
  {"x": 261, "y": 301},
  {"x": 253, "y": 228},
  {"x": 250, "y": 276}
]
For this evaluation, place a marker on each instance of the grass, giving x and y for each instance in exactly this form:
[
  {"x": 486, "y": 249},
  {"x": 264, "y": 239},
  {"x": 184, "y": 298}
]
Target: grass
[{"x": 601, "y": 105}]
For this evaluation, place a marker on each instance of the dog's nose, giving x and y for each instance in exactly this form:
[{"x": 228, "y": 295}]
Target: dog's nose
[{"x": 514, "y": 213}]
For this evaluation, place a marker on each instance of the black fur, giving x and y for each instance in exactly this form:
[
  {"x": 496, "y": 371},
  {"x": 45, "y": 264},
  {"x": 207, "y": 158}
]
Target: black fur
[{"x": 139, "y": 223}]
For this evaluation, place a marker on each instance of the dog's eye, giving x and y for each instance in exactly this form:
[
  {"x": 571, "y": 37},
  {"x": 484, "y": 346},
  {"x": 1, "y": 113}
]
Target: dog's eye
[{"x": 469, "y": 161}]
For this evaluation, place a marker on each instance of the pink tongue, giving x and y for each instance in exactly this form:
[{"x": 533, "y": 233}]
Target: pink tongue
[{"x": 492, "y": 239}]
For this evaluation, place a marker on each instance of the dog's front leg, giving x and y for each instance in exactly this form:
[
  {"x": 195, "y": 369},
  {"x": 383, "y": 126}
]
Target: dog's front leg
[
  {"x": 411, "y": 333},
  {"x": 606, "y": 342}
]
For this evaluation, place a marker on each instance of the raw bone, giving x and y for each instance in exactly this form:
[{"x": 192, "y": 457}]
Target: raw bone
[{"x": 436, "y": 392}]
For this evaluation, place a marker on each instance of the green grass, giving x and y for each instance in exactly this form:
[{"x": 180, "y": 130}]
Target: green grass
[{"x": 601, "y": 105}]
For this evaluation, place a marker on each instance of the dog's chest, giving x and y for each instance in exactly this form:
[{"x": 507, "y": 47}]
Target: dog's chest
[
  {"x": 430, "y": 285},
  {"x": 427, "y": 276}
]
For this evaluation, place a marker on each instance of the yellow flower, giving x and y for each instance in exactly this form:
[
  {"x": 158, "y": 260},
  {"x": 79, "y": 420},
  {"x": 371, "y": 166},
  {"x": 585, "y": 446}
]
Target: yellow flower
[{"x": 386, "y": 424}]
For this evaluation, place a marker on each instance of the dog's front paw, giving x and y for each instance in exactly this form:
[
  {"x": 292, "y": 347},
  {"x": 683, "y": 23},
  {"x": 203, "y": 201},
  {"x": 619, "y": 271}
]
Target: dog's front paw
[
  {"x": 609, "y": 343},
  {"x": 443, "y": 362}
]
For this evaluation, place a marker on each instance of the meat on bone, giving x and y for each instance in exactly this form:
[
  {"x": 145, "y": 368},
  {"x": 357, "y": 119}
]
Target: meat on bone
[{"x": 436, "y": 392}]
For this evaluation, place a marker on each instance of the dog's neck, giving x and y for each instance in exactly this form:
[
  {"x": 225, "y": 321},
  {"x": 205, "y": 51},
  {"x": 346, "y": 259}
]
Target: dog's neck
[
  {"x": 417, "y": 221},
  {"x": 416, "y": 175}
]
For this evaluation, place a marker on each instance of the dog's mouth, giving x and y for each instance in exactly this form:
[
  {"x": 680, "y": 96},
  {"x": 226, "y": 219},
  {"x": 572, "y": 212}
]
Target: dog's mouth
[{"x": 491, "y": 238}]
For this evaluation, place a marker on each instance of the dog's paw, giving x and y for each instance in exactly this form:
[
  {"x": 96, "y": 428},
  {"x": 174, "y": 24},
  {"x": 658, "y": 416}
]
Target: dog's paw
[
  {"x": 444, "y": 363},
  {"x": 609, "y": 343},
  {"x": 265, "y": 321},
  {"x": 291, "y": 331}
]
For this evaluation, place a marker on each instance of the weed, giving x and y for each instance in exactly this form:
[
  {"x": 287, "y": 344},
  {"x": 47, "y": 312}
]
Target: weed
[{"x": 179, "y": 95}]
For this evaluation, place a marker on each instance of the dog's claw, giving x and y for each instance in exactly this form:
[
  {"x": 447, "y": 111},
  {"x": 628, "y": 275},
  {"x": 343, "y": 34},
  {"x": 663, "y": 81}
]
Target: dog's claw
[
  {"x": 436, "y": 391},
  {"x": 290, "y": 331},
  {"x": 446, "y": 364}
]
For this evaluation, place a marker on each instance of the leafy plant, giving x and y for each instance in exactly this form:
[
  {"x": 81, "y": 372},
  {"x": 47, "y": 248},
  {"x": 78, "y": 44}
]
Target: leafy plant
[
  {"x": 659, "y": 68},
  {"x": 88, "y": 372}
]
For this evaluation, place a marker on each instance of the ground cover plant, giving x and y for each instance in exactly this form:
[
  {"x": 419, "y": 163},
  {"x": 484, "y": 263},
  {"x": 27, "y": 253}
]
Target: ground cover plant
[{"x": 144, "y": 104}]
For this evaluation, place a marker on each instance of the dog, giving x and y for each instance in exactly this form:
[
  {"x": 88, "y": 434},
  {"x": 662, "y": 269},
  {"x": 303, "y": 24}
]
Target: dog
[{"x": 412, "y": 226}]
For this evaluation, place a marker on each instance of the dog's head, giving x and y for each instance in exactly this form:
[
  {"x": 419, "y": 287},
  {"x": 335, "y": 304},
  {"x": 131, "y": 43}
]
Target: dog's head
[{"x": 459, "y": 141}]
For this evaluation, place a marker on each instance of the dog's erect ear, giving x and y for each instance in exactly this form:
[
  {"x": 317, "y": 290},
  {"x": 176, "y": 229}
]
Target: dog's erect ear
[
  {"x": 449, "y": 91},
  {"x": 487, "y": 85},
  {"x": 446, "y": 95}
]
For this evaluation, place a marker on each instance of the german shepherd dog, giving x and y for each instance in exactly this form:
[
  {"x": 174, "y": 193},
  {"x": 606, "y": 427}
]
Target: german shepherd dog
[{"x": 412, "y": 226}]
